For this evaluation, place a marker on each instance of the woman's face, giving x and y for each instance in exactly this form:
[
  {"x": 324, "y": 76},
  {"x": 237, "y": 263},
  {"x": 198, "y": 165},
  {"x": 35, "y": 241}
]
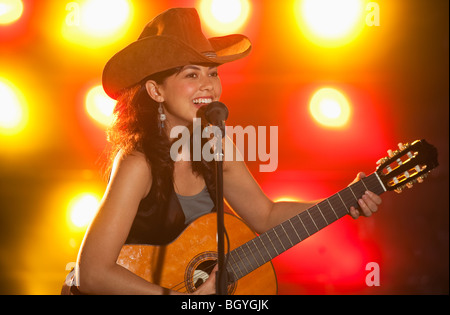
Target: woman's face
[{"x": 188, "y": 90}]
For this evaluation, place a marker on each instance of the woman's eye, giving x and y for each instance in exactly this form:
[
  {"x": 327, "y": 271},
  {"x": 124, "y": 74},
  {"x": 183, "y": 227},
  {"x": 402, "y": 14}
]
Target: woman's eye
[
  {"x": 196, "y": 75},
  {"x": 191, "y": 75}
]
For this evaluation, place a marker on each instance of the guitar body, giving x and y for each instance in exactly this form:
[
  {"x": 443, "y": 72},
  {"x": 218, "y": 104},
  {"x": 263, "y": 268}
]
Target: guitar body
[{"x": 185, "y": 263}]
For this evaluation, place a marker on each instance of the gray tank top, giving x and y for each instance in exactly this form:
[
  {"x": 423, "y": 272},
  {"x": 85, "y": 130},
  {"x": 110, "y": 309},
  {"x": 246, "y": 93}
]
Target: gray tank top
[{"x": 196, "y": 206}]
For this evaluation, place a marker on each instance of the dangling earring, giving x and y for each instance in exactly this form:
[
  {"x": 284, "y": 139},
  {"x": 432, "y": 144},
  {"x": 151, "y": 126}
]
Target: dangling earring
[{"x": 162, "y": 116}]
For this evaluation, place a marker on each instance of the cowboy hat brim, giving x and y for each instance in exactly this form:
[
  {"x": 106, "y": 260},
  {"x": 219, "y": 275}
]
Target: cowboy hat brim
[{"x": 154, "y": 54}]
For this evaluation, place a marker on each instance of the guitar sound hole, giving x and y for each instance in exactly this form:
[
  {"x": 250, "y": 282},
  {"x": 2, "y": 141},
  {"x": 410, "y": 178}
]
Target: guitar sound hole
[
  {"x": 202, "y": 272},
  {"x": 199, "y": 269}
]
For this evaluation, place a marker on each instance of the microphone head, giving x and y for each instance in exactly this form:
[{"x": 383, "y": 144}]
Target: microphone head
[{"x": 215, "y": 113}]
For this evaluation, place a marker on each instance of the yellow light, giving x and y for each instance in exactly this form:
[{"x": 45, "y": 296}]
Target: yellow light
[
  {"x": 13, "y": 109},
  {"x": 95, "y": 23},
  {"x": 330, "y": 108},
  {"x": 224, "y": 16},
  {"x": 100, "y": 106},
  {"x": 330, "y": 23},
  {"x": 82, "y": 209},
  {"x": 286, "y": 199},
  {"x": 104, "y": 17},
  {"x": 10, "y": 11}
]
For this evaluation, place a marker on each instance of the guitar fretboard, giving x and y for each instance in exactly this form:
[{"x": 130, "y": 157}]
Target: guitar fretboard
[{"x": 277, "y": 240}]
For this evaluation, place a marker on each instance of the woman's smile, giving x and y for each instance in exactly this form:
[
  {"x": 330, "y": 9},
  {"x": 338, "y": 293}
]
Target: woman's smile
[{"x": 202, "y": 101}]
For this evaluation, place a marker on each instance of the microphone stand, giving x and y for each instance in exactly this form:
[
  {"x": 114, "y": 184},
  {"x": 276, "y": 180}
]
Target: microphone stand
[
  {"x": 221, "y": 276},
  {"x": 216, "y": 113}
]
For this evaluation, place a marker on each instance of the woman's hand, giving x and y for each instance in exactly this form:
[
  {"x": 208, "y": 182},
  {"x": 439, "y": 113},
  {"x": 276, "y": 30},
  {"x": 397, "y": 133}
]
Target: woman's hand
[
  {"x": 368, "y": 203},
  {"x": 209, "y": 286}
]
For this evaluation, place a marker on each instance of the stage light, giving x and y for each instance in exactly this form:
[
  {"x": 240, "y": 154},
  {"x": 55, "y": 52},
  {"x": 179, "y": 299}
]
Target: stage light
[
  {"x": 10, "y": 11},
  {"x": 224, "y": 16},
  {"x": 95, "y": 23},
  {"x": 13, "y": 109},
  {"x": 330, "y": 23},
  {"x": 82, "y": 209},
  {"x": 330, "y": 108},
  {"x": 104, "y": 17},
  {"x": 100, "y": 106}
]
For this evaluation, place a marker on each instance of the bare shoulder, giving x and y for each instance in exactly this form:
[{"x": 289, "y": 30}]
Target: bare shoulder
[
  {"x": 135, "y": 159},
  {"x": 132, "y": 170}
]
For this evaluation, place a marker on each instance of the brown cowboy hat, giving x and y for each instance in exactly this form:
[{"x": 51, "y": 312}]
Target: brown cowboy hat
[{"x": 172, "y": 39}]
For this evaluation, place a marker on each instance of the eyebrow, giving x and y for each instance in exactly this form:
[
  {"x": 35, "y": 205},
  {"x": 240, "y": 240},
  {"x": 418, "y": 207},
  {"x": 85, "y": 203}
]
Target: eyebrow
[{"x": 194, "y": 67}]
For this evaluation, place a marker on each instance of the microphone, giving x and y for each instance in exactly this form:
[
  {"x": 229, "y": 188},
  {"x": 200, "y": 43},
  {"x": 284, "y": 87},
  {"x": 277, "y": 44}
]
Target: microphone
[{"x": 214, "y": 113}]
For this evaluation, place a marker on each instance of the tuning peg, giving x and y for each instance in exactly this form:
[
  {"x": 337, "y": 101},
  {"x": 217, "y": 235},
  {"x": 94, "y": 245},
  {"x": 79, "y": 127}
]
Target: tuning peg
[
  {"x": 382, "y": 160},
  {"x": 403, "y": 146},
  {"x": 400, "y": 189},
  {"x": 421, "y": 178}
]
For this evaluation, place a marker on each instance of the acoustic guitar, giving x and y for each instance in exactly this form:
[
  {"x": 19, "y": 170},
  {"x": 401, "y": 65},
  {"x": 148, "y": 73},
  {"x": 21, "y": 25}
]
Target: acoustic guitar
[{"x": 186, "y": 263}]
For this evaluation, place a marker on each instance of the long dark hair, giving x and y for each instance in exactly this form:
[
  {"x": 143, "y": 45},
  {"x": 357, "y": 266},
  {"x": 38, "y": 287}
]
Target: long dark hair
[{"x": 136, "y": 126}]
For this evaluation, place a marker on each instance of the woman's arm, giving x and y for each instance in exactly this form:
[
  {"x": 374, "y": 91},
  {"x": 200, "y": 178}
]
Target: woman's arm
[
  {"x": 245, "y": 196},
  {"x": 98, "y": 271}
]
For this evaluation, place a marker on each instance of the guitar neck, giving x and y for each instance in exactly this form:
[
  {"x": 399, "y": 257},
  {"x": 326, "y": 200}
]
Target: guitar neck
[{"x": 260, "y": 250}]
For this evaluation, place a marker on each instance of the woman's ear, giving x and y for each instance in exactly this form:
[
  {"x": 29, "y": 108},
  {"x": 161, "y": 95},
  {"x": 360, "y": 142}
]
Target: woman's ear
[{"x": 153, "y": 91}]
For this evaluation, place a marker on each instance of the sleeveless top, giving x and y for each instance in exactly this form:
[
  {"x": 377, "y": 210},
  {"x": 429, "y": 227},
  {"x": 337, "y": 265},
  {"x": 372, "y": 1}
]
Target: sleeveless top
[
  {"x": 195, "y": 206},
  {"x": 160, "y": 224}
]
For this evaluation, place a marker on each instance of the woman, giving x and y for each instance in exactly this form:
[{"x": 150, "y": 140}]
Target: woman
[{"x": 160, "y": 81}]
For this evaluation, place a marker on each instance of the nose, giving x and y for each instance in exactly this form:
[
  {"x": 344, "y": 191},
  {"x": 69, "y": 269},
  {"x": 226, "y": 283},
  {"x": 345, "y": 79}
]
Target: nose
[{"x": 206, "y": 83}]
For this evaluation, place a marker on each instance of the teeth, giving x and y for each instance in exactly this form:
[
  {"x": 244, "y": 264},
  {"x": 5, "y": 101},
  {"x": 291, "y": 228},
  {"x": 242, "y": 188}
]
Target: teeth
[{"x": 202, "y": 101}]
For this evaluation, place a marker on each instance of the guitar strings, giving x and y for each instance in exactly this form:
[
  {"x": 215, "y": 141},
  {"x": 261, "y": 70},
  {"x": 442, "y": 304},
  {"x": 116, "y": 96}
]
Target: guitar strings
[
  {"x": 195, "y": 279},
  {"x": 184, "y": 283}
]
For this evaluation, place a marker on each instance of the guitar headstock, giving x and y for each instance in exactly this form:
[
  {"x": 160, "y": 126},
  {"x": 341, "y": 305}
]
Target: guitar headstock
[{"x": 409, "y": 164}]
